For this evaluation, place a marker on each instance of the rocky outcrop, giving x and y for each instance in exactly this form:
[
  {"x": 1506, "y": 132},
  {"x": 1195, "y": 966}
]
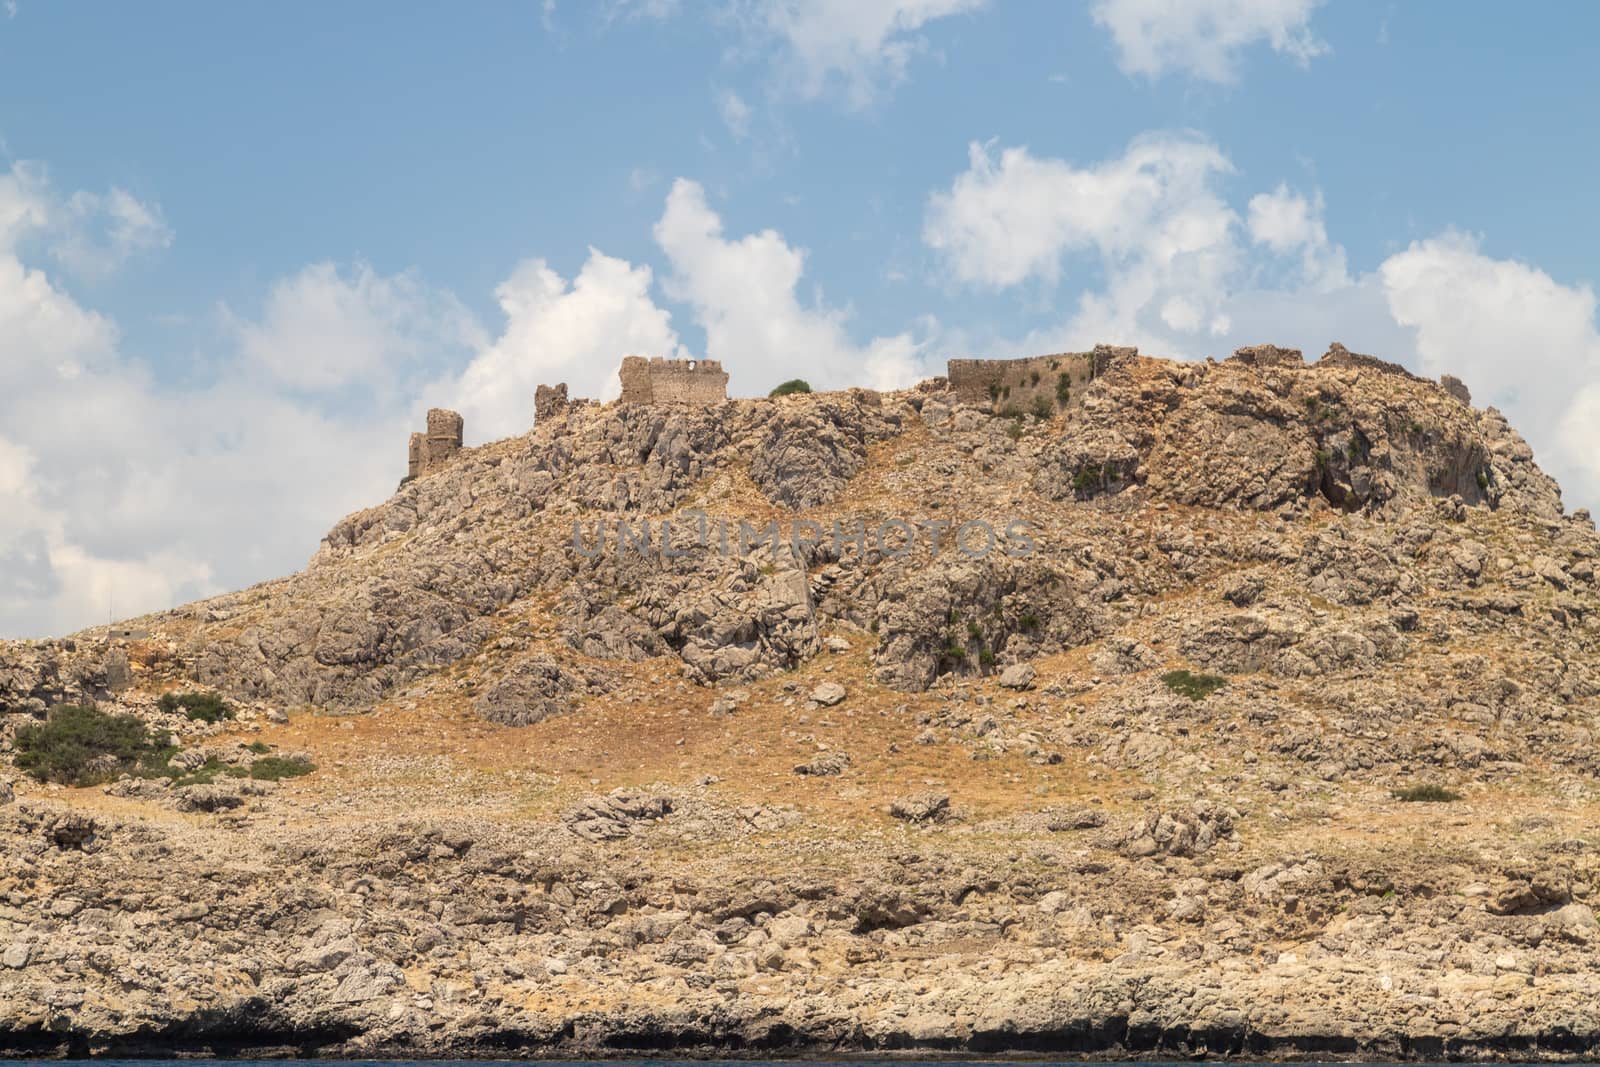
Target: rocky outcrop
[{"x": 1129, "y": 728}]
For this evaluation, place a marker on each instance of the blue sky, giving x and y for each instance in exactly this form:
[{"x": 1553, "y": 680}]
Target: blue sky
[{"x": 240, "y": 244}]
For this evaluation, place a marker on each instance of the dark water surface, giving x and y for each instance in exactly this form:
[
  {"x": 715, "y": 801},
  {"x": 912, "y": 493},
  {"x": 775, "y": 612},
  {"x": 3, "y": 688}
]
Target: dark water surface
[{"x": 881, "y": 1062}]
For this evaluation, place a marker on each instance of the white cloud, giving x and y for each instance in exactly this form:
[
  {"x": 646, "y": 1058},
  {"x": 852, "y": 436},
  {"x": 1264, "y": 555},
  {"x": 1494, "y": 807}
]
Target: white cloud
[
  {"x": 735, "y": 113},
  {"x": 556, "y": 331},
  {"x": 1517, "y": 337},
  {"x": 99, "y": 233},
  {"x": 321, "y": 329},
  {"x": 743, "y": 293},
  {"x": 1204, "y": 37},
  {"x": 93, "y": 235},
  {"x": 1288, "y": 223},
  {"x": 1161, "y": 234},
  {"x": 1184, "y": 275},
  {"x": 859, "y": 47},
  {"x": 120, "y": 490}
]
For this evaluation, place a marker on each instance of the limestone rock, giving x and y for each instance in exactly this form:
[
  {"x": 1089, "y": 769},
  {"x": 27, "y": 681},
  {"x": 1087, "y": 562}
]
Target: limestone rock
[
  {"x": 921, "y": 807},
  {"x": 828, "y": 694},
  {"x": 1018, "y": 676}
]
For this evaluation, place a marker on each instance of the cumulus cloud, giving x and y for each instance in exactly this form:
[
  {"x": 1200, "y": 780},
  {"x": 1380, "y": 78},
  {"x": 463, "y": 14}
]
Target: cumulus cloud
[
  {"x": 744, "y": 293},
  {"x": 1204, "y": 37},
  {"x": 1186, "y": 275},
  {"x": 858, "y": 47},
  {"x": 1288, "y": 223},
  {"x": 123, "y": 492},
  {"x": 324, "y": 329},
  {"x": 1151, "y": 217},
  {"x": 1519, "y": 338},
  {"x": 575, "y": 332},
  {"x": 92, "y": 235}
]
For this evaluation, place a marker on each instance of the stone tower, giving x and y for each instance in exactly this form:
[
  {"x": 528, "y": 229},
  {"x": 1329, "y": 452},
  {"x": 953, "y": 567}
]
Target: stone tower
[{"x": 432, "y": 450}]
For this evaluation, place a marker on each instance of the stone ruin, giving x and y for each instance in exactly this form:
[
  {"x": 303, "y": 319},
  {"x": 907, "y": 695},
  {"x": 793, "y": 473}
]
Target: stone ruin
[
  {"x": 1055, "y": 378},
  {"x": 672, "y": 381},
  {"x": 432, "y": 450},
  {"x": 549, "y": 401}
]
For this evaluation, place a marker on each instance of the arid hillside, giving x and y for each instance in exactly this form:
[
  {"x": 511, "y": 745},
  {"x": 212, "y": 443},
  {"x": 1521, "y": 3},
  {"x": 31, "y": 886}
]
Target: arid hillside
[{"x": 1244, "y": 706}]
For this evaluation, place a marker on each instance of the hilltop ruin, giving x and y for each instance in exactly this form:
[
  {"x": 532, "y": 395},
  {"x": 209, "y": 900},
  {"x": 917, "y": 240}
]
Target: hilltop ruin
[
  {"x": 672, "y": 381},
  {"x": 433, "y": 449}
]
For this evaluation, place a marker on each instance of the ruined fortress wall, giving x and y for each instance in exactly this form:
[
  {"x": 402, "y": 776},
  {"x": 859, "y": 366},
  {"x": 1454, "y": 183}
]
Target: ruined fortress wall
[
  {"x": 672, "y": 381},
  {"x": 1021, "y": 381},
  {"x": 433, "y": 449},
  {"x": 1340, "y": 356}
]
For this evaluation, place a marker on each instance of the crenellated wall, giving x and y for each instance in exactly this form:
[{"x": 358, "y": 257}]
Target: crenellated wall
[
  {"x": 1024, "y": 382},
  {"x": 672, "y": 381}
]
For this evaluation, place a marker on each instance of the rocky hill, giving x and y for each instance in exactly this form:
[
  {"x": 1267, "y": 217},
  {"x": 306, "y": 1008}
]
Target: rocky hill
[{"x": 1121, "y": 721}]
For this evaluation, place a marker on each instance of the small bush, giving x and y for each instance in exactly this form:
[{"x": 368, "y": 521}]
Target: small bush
[
  {"x": 1028, "y": 622},
  {"x": 1011, "y": 411},
  {"x": 81, "y": 745},
  {"x": 986, "y": 658},
  {"x": 277, "y": 768},
  {"x": 994, "y": 390},
  {"x": 1042, "y": 408},
  {"x": 1033, "y": 378},
  {"x": 1194, "y": 686},
  {"x": 1063, "y": 388},
  {"x": 790, "y": 387},
  {"x": 205, "y": 774},
  {"x": 260, "y": 748},
  {"x": 1014, "y": 431},
  {"x": 200, "y": 707},
  {"x": 1089, "y": 478},
  {"x": 955, "y": 652},
  {"x": 974, "y": 631},
  {"x": 1430, "y": 794}
]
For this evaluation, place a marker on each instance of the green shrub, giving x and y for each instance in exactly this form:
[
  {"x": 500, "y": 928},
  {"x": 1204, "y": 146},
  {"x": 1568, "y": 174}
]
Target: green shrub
[
  {"x": 201, "y": 707},
  {"x": 790, "y": 387},
  {"x": 204, "y": 774},
  {"x": 81, "y": 745},
  {"x": 955, "y": 652},
  {"x": 1432, "y": 794},
  {"x": 1088, "y": 478},
  {"x": 1033, "y": 378},
  {"x": 986, "y": 658},
  {"x": 1063, "y": 388},
  {"x": 994, "y": 390},
  {"x": 260, "y": 748},
  {"x": 1011, "y": 411},
  {"x": 277, "y": 768},
  {"x": 1028, "y": 622},
  {"x": 1042, "y": 408},
  {"x": 974, "y": 631},
  {"x": 1194, "y": 686},
  {"x": 1014, "y": 431}
]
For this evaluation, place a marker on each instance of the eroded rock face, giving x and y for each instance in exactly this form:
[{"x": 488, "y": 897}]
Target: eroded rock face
[
  {"x": 428, "y": 579},
  {"x": 1115, "y": 853},
  {"x": 535, "y": 688}
]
